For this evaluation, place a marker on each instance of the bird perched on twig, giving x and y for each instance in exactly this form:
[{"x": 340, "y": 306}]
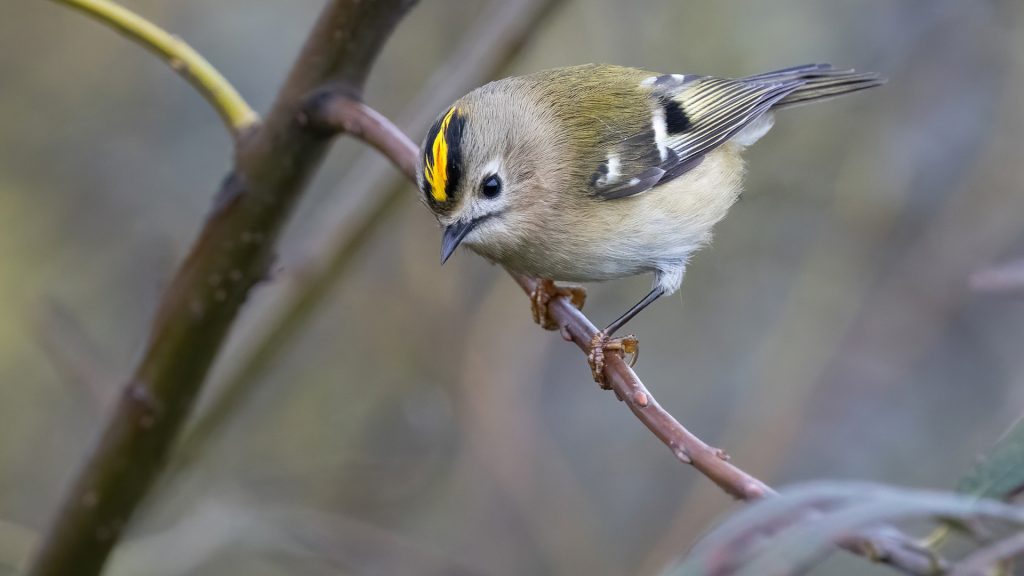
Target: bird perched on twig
[{"x": 597, "y": 172}]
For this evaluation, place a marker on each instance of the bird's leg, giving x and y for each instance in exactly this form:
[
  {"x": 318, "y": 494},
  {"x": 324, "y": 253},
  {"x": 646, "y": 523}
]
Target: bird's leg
[
  {"x": 542, "y": 294},
  {"x": 602, "y": 342}
]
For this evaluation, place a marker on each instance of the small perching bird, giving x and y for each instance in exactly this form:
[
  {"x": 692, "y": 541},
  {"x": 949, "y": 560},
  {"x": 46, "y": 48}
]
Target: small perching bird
[{"x": 597, "y": 172}]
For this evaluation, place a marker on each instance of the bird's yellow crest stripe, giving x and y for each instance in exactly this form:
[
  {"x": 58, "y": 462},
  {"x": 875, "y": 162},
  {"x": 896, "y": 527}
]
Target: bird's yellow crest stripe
[{"x": 436, "y": 167}]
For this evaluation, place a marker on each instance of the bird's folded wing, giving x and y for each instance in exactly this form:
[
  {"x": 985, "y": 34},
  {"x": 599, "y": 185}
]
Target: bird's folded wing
[{"x": 690, "y": 116}]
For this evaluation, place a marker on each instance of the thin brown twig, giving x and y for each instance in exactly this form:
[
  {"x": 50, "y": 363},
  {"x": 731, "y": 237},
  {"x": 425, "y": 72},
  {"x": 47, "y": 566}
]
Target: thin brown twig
[
  {"x": 884, "y": 545},
  {"x": 343, "y": 115}
]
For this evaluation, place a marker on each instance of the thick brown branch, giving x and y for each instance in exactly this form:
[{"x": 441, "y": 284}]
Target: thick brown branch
[
  {"x": 231, "y": 255},
  {"x": 884, "y": 545}
]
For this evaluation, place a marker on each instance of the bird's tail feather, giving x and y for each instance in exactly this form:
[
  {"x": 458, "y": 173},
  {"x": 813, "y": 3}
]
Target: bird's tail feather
[{"x": 819, "y": 82}]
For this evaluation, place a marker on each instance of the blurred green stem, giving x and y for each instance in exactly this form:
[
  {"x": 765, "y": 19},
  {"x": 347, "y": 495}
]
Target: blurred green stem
[
  {"x": 233, "y": 252},
  {"x": 184, "y": 60}
]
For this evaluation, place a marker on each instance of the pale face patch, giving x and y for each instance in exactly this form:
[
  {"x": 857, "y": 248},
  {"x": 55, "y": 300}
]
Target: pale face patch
[
  {"x": 492, "y": 167},
  {"x": 478, "y": 208}
]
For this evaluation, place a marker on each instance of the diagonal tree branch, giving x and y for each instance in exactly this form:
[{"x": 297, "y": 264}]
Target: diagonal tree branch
[
  {"x": 884, "y": 545},
  {"x": 232, "y": 254}
]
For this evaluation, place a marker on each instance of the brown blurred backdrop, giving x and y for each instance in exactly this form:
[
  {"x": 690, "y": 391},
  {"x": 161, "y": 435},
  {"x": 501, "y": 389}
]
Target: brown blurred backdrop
[{"x": 420, "y": 423}]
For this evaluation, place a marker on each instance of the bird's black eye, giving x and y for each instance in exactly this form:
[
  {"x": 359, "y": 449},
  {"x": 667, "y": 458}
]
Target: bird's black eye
[{"x": 491, "y": 186}]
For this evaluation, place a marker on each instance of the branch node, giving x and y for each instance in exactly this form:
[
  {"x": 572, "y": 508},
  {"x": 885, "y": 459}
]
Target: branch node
[
  {"x": 754, "y": 491},
  {"x": 330, "y": 110},
  {"x": 870, "y": 551},
  {"x": 641, "y": 399},
  {"x": 682, "y": 454},
  {"x": 147, "y": 407},
  {"x": 139, "y": 395},
  {"x": 232, "y": 189},
  {"x": 90, "y": 499}
]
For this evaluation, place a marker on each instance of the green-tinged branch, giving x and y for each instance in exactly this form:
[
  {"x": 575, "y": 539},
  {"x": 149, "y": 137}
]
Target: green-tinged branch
[{"x": 182, "y": 58}]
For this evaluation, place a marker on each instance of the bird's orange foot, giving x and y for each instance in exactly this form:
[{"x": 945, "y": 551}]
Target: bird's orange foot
[
  {"x": 541, "y": 296},
  {"x": 601, "y": 345}
]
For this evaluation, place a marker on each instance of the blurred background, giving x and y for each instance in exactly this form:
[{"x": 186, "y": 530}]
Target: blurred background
[{"x": 418, "y": 422}]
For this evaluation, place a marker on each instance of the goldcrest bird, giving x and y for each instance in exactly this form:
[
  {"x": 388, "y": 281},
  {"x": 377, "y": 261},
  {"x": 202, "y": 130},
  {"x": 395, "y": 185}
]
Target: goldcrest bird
[{"x": 597, "y": 172}]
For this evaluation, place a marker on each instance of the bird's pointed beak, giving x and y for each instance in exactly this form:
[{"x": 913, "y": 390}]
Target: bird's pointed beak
[{"x": 453, "y": 235}]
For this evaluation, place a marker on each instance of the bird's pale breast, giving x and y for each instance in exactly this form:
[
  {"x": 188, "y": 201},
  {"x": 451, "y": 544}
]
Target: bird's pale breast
[{"x": 654, "y": 232}]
